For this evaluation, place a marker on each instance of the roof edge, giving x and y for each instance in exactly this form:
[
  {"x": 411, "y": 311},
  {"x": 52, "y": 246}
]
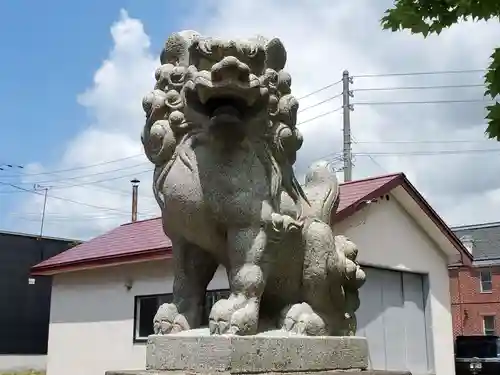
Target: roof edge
[
  {"x": 397, "y": 174},
  {"x": 438, "y": 221},
  {"x": 477, "y": 226},
  {"x": 33, "y": 235},
  {"x": 101, "y": 261},
  {"x": 359, "y": 204}
]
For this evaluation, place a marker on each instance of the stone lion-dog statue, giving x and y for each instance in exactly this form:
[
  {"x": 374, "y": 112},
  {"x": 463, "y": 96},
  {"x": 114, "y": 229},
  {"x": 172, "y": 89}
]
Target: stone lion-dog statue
[{"x": 221, "y": 131}]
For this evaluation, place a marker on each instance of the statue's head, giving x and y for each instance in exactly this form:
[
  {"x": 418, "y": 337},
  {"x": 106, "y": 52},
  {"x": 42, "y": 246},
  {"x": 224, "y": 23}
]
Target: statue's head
[
  {"x": 225, "y": 89},
  {"x": 228, "y": 88}
]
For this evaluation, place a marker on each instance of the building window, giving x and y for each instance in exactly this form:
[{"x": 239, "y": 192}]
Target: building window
[
  {"x": 489, "y": 325},
  {"x": 147, "y": 306},
  {"x": 486, "y": 284}
]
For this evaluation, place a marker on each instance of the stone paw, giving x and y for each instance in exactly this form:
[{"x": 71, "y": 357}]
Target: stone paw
[
  {"x": 169, "y": 320},
  {"x": 302, "y": 320},
  {"x": 234, "y": 316}
]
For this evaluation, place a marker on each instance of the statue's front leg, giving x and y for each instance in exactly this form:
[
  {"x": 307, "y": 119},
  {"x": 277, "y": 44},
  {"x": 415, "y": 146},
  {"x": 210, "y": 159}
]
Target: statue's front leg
[
  {"x": 239, "y": 314},
  {"x": 194, "y": 269}
]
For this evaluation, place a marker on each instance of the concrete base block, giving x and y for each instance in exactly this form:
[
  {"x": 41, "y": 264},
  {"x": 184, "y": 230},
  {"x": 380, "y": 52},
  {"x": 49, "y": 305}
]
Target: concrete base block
[
  {"x": 330, "y": 372},
  {"x": 275, "y": 352},
  {"x": 255, "y": 354}
]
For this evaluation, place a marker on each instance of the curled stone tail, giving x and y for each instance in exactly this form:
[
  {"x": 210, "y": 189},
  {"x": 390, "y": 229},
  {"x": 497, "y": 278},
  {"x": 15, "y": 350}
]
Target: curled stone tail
[{"x": 322, "y": 189}]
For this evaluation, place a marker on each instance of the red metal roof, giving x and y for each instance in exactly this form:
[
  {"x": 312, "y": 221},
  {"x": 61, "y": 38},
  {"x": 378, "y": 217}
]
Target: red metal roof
[{"x": 144, "y": 240}]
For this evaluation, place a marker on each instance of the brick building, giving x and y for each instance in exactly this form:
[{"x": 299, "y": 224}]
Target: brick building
[{"x": 475, "y": 290}]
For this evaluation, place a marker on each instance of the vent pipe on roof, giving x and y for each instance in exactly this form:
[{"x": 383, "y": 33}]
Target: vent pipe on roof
[
  {"x": 135, "y": 190},
  {"x": 468, "y": 242}
]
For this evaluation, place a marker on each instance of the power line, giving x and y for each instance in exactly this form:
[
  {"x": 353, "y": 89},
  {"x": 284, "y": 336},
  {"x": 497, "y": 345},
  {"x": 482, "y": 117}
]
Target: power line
[
  {"x": 319, "y": 116},
  {"x": 423, "y": 102},
  {"x": 89, "y": 174},
  {"x": 73, "y": 218},
  {"x": 338, "y": 155},
  {"x": 73, "y": 169},
  {"x": 395, "y": 102},
  {"x": 370, "y": 157},
  {"x": 395, "y": 88},
  {"x": 320, "y": 89},
  {"x": 320, "y": 103},
  {"x": 436, "y": 72},
  {"x": 103, "y": 180},
  {"x": 78, "y": 217},
  {"x": 427, "y": 153},
  {"x": 425, "y": 141},
  {"x": 64, "y": 199}
]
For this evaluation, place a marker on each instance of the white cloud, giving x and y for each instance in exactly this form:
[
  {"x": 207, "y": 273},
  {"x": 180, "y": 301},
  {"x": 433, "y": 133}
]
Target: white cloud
[
  {"x": 113, "y": 101},
  {"x": 323, "y": 38}
]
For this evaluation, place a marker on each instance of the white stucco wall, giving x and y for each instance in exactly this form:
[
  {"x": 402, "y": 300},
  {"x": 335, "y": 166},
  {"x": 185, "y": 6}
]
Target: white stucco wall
[
  {"x": 91, "y": 319},
  {"x": 387, "y": 237},
  {"x": 92, "y": 311}
]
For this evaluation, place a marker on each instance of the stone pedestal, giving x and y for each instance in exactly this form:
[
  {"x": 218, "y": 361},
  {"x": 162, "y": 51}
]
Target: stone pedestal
[{"x": 271, "y": 352}]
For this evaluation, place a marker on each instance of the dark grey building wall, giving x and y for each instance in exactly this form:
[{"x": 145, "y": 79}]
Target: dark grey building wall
[{"x": 25, "y": 308}]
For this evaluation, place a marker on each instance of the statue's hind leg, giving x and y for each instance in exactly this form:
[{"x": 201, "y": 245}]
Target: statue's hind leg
[
  {"x": 239, "y": 314},
  {"x": 322, "y": 288},
  {"x": 194, "y": 269}
]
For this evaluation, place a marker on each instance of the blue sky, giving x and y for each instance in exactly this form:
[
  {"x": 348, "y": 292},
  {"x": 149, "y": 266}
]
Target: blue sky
[{"x": 50, "y": 52}]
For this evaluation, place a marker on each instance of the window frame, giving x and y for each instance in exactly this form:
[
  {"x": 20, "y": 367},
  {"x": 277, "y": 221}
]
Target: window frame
[
  {"x": 137, "y": 314},
  {"x": 136, "y": 324},
  {"x": 492, "y": 331},
  {"x": 482, "y": 282}
]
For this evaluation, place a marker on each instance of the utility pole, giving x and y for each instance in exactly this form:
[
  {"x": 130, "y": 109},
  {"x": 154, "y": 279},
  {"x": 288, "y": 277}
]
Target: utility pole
[
  {"x": 46, "y": 191},
  {"x": 346, "y": 130}
]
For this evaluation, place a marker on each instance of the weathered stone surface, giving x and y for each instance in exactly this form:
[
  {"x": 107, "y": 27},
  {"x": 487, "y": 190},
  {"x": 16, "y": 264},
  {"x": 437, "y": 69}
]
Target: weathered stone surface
[
  {"x": 251, "y": 354},
  {"x": 221, "y": 130},
  {"x": 328, "y": 372}
]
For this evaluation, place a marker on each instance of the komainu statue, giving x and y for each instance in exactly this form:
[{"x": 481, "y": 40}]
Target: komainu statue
[{"x": 221, "y": 132}]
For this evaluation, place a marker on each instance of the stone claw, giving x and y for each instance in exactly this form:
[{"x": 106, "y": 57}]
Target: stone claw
[
  {"x": 234, "y": 316},
  {"x": 169, "y": 320},
  {"x": 301, "y": 319}
]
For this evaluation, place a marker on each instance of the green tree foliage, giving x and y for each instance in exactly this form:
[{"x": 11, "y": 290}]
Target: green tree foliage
[{"x": 432, "y": 16}]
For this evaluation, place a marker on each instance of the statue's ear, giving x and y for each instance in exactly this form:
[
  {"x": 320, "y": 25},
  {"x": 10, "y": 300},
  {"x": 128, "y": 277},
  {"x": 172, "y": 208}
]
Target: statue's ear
[
  {"x": 275, "y": 54},
  {"x": 176, "y": 49}
]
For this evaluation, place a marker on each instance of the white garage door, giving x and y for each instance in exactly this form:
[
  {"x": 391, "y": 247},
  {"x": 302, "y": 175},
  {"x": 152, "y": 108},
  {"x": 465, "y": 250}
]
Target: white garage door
[{"x": 392, "y": 318}]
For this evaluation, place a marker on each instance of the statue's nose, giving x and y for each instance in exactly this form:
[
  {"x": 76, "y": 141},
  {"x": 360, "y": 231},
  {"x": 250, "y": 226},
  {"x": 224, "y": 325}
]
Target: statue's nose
[{"x": 230, "y": 69}]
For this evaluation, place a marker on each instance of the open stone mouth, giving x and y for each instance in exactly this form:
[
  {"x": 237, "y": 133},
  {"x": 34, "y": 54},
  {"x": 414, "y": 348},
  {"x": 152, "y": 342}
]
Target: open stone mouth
[{"x": 226, "y": 108}]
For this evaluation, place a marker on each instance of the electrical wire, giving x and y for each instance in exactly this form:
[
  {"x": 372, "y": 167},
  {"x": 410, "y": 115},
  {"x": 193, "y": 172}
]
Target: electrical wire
[
  {"x": 396, "y": 88},
  {"x": 436, "y": 72},
  {"x": 309, "y": 107},
  {"x": 71, "y": 169},
  {"x": 320, "y": 89},
  {"x": 427, "y": 153},
  {"x": 425, "y": 141},
  {"x": 64, "y": 217},
  {"x": 369, "y": 156},
  {"x": 63, "y": 199},
  {"x": 320, "y": 103},
  {"x": 422, "y": 102},
  {"x": 103, "y": 180},
  {"x": 319, "y": 116},
  {"x": 91, "y": 174}
]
